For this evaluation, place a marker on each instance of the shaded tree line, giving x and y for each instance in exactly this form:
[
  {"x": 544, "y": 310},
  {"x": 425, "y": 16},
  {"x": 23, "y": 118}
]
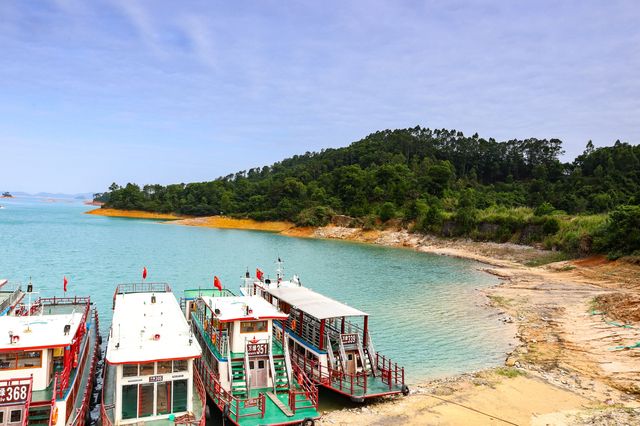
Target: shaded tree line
[{"x": 415, "y": 175}]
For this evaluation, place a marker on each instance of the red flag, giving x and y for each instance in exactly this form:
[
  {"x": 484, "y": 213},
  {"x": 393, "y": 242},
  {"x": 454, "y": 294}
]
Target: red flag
[
  {"x": 259, "y": 274},
  {"x": 144, "y": 273},
  {"x": 217, "y": 283},
  {"x": 65, "y": 282}
]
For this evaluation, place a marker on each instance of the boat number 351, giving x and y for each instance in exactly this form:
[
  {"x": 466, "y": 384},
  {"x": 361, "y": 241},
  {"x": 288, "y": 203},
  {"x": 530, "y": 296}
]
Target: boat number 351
[{"x": 13, "y": 393}]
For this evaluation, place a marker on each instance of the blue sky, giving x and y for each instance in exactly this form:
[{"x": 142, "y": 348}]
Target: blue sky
[{"x": 166, "y": 91}]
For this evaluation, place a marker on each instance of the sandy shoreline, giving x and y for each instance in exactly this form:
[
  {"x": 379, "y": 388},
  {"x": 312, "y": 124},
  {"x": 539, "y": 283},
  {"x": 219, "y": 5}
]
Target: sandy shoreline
[
  {"x": 564, "y": 371},
  {"x": 135, "y": 214}
]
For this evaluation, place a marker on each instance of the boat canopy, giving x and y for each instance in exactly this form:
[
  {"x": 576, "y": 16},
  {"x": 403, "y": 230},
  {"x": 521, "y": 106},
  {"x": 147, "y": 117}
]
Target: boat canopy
[
  {"x": 38, "y": 331},
  {"x": 149, "y": 327},
  {"x": 314, "y": 304},
  {"x": 245, "y": 308}
]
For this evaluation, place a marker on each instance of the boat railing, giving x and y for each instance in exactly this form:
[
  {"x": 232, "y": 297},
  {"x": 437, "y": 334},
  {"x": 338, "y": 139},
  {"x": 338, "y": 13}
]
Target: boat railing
[
  {"x": 140, "y": 288},
  {"x": 82, "y": 411},
  {"x": 212, "y": 337},
  {"x": 53, "y": 403},
  {"x": 62, "y": 377},
  {"x": 307, "y": 388},
  {"x": 237, "y": 408},
  {"x": 352, "y": 384},
  {"x": 15, "y": 296},
  {"x": 203, "y": 396},
  {"x": 349, "y": 328},
  {"x": 76, "y": 300},
  {"x": 390, "y": 372}
]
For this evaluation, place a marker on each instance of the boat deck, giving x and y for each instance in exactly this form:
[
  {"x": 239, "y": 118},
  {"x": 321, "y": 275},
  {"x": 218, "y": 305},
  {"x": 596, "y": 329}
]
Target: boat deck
[
  {"x": 273, "y": 414},
  {"x": 192, "y": 294}
]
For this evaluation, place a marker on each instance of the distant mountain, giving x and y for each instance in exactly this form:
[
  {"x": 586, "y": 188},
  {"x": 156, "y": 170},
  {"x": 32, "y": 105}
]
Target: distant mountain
[{"x": 57, "y": 195}]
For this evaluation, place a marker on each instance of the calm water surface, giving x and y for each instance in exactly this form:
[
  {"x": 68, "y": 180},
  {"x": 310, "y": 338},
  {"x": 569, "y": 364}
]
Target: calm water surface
[{"x": 424, "y": 309}]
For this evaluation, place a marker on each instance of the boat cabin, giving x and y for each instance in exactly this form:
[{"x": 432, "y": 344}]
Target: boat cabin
[
  {"x": 149, "y": 374},
  {"x": 242, "y": 328},
  {"x": 331, "y": 342}
]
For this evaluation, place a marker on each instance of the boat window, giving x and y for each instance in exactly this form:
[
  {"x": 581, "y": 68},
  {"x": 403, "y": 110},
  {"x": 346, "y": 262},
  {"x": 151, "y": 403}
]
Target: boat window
[
  {"x": 129, "y": 370},
  {"x": 179, "y": 396},
  {"x": 1, "y": 417},
  {"x": 164, "y": 367},
  {"x": 350, "y": 356},
  {"x": 16, "y": 416},
  {"x": 8, "y": 361},
  {"x": 180, "y": 365},
  {"x": 145, "y": 407},
  {"x": 253, "y": 326},
  {"x": 163, "y": 402},
  {"x": 260, "y": 364},
  {"x": 146, "y": 369},
  {"x": 129, "y": 401},
  {"x": 30, "y": 359},
  {"x": 13, "y": 360}
]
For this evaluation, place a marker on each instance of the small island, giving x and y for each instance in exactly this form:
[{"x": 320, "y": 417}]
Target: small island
[{"x": 6, "y": 194}]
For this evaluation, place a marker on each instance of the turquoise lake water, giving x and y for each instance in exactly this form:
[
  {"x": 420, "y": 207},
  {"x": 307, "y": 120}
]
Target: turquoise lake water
[{"x": 425, "y": 310}]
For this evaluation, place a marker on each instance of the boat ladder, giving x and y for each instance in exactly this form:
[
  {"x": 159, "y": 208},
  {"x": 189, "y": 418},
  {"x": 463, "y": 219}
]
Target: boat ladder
[
  {"x": 343, "y": 355},
  {"x": 272, "y": 367},
  {"x": 247, "y": 370},
  {"x": 371, "y": 353},
  {"x": 363, "y": 360},
  {"x": 330, "y": 355},
  {"x": 229, "y": 368},
  {"x": 287, "y": 355}
]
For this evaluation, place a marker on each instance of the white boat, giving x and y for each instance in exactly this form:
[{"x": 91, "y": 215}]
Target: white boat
[
  {"x": 149, "y": 375},
  {"x": 48, "y": 357}
]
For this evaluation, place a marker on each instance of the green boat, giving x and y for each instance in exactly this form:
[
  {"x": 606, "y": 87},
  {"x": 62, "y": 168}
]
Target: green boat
[{"x": 246, "y": 373}]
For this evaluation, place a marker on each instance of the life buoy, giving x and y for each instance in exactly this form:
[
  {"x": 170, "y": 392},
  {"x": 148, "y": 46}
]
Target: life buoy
[
  {"x": 213, "y": 339},
  {"x": 54, "y": 416},
  {"x": 293, "y": 324},
  {"x": 15, "y": 339},
  {"x": 300, "y": 378},
  {"x": 75, "y": 360}
]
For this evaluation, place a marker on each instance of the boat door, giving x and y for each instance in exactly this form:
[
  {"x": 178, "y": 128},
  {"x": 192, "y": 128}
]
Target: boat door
[
  {"x": 259, "y": 373},
  {"x": 352, "y": 362}
]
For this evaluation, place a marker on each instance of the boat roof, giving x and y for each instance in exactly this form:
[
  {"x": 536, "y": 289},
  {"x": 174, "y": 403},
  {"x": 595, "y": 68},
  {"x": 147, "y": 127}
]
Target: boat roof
[
  {"x": 38, "y": 331},
  {"x": 136, "y": 323},
  {"x": 233, "y": 308},
  {"x": 314, "y": 304}
]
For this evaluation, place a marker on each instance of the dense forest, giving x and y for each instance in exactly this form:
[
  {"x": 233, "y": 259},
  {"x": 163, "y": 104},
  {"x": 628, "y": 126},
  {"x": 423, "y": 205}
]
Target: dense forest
[{"x": 434, "y": 181}]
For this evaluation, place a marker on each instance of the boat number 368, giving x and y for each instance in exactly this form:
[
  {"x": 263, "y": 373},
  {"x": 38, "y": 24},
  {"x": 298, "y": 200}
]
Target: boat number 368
[{"x": 13, "y": 393}]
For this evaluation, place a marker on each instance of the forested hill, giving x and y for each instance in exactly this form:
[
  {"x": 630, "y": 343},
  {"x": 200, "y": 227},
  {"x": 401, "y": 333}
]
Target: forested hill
[{"x": 436, "y": 180}]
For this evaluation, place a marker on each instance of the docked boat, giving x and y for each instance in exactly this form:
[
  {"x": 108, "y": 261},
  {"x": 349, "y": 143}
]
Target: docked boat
[
  {"x": 48, "y": 357},
  {"x": 149, "y": 375},
  {"x": 328, "y": 340},
  {"x": 247, "y": 374},
  {"x": 10, "y": 295}
]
